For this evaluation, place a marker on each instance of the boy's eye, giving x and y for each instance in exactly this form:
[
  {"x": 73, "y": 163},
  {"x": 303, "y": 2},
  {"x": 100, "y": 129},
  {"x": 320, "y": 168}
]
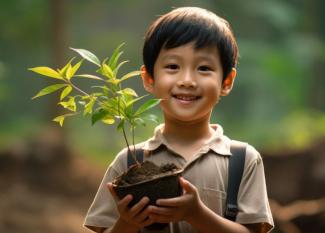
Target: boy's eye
[
  {"x": 204, "y": 68},
  {"x": 171, "y": 67}
]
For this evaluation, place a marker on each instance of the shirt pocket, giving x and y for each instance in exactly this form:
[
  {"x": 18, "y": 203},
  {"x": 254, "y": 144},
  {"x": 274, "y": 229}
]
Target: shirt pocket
[{"x": 214, "y": 199}]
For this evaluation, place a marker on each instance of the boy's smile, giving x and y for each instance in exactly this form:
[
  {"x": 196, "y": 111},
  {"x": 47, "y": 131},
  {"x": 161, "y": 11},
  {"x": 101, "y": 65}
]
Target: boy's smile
[
  {"x": 185, "y": 98},
  {"x": 189, "y": 82}
]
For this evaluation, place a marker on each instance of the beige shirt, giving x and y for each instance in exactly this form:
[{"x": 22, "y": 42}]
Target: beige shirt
[{"x": 207, "y": 170}]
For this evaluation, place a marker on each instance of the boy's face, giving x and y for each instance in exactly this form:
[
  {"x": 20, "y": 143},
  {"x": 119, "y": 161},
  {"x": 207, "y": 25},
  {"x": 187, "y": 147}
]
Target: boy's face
[{"x": 189, "y": 82}]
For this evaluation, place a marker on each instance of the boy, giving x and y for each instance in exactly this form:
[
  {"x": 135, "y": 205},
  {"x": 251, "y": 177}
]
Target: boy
[{"x": 190, "y": 55}]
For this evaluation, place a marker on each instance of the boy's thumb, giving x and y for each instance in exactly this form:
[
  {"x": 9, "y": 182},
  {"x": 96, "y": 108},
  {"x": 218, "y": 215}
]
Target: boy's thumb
[
  {"x": 187, "y": 186},
  {"x": 112, "y": 191}
]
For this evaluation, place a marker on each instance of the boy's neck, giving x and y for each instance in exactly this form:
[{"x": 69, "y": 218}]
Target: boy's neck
[{"x": 187, "y": 131}]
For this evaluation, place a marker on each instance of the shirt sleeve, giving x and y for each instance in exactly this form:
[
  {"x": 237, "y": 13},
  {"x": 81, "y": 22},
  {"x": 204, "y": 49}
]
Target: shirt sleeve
[
  {"x": 253, "y": 201},
  {"x": 103, "y": 212}
]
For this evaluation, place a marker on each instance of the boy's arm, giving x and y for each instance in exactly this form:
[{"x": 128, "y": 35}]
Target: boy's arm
[
  {"x": 121, "y": 226},
  {"x": 206, "y": 219},
  {"x": 190, "y": 208}
]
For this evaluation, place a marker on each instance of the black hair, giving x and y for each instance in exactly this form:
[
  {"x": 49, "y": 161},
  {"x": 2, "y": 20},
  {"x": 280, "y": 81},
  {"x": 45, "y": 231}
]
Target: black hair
[{"x": 190, "y": 24}]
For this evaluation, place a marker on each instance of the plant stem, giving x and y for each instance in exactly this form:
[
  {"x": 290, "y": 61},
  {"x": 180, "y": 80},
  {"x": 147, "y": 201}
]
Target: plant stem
[
  {"x": 78, "y": 89},
  {"x": 81, "y": 91},
  {"x": 132, "y": 132},
  {"x": 128, "y": 146},
  {"x": 126, "y": 139}
]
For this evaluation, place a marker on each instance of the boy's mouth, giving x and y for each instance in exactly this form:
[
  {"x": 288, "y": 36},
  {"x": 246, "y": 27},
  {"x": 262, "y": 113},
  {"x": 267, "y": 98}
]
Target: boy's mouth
[{"x": 186, "y": 97}]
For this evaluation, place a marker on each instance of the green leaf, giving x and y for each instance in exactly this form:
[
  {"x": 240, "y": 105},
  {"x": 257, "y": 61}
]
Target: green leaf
[
  {"x": 139, "y": 121},
  {"x": 146, "y": 106},
  {"x": 85, "y": 97},
  {"x": 97, "y": 94},
  {"x": 83, "y": 103},
  {"x": 119, "y": 66},
  {"x": 65, "y": 92},
  {"x": 64, "y": 69},
  {"x": 46, "y": 71},
  {"x": 128, "y": 91},
  {"x": 70, "y": 104},
  {"x": 120, "y": 125},
  {"x": 89, "y": 56},
  {"x": 105, "y": 60},
  {"x": 115, "y": 56},
  {"x": 90, "y": 76},
  {"x": 68, "y": 74},
  {"x": 105, "y": 90},
  {"x": 130, "y": 75},
  {"x": 72, "y": 70},
  {"x": 107, "y": 71},
  {"x": 114, "y": 81},
  {"x": 151, "y": 117},
  {"x": 49, "y": 89},
  {"x": 134, "y": 100},
  {"x": 111, "y": 105},
  {"x": 89, "y": 106},
  {"x": 108, "y": 120},
  {"x": 98, "y": 115},
  {"x": 60, "y": 119},
  {"x": 113, "y": 63}
]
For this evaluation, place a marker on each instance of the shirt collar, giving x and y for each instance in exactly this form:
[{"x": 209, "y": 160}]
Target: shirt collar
[{"x": 219, "y": 143}]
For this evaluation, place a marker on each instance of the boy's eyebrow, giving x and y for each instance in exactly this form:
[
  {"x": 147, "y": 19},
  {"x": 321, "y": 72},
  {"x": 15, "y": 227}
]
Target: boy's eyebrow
[
  {"x": 171, "y": 56},
  {"x": 207, "y": 57}
]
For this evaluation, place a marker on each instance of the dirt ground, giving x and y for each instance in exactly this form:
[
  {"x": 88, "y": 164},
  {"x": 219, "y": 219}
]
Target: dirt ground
[{"x": 45, "y": 194}]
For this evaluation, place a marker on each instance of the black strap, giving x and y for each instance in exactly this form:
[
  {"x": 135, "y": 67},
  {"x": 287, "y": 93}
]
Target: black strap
[
  {"x": 235, "y": 173},
  {"x": 138, "y": 155}
]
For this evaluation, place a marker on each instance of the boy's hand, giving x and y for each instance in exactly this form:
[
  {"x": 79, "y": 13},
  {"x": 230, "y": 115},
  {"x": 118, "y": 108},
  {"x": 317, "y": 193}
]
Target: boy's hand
[
  {"x": 179, "y": 208},
  {"x": 137, "y": 215}
]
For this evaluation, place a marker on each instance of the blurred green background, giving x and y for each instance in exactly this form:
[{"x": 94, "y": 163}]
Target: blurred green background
[
  {"x": 278, "y": 99},
  {"x": 277, "y": 103}
]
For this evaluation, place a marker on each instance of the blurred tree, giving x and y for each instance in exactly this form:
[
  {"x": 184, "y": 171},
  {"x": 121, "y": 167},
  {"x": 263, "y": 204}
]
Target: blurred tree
[
  {"x": 58, "y": 43},
  {"x": 313, "y": 27}
]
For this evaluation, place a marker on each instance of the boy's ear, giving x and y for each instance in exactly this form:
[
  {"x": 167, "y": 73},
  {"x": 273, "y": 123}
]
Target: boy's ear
[
  {"x": 146, "y": 79},
  {"x": 228, "y": 82}
]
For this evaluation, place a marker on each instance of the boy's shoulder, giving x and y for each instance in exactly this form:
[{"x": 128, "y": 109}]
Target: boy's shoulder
[
  {"x": 251, "y": 152},
  {"x": 252, "y": 156}
]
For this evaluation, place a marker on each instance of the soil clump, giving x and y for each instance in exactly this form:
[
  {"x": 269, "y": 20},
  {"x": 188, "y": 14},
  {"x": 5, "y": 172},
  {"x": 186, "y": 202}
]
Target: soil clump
[{"x": 146, "y": 171}]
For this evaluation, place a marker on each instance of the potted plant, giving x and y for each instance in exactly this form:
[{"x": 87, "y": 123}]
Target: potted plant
[{"x": 110, "y": 103}]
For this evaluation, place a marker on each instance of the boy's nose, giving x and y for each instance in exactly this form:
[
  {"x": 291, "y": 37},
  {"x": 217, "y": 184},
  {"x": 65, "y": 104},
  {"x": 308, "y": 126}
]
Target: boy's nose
[{"x": 187, "y": 80}]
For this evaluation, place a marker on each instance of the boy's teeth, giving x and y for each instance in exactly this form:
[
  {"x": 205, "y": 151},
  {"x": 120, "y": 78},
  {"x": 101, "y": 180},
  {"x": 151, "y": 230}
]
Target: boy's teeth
[{"x": 186, "y": 98}]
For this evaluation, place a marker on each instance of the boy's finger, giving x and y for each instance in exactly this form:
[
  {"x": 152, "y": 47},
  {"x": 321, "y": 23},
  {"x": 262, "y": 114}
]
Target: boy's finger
[
  {"x": 123, "y": 203},
  {"x": 143, "y": 216},
  {"x": 112, "y": 191},
  {"x": 138, "y": 207},
  {"x": 187, "y": 186},
  {"x": 160, "y": 218},
  {"x": 148, "y": 221},
  {"x": 161, "y": 210},
  {"x": 171, "y": 202}
]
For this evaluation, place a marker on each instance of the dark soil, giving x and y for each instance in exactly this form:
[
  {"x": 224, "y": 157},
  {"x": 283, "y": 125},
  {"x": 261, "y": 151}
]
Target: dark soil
[{"x": 145, "y": 171}]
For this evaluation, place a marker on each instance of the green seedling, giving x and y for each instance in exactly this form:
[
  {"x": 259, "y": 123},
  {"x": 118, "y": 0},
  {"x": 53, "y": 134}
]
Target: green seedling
[{"x": 109, "y": 103}]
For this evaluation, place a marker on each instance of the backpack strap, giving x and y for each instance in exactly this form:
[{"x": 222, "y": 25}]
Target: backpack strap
[
  {"x": 138, "y": 155},
  {"x": 235, "y": 173}
]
